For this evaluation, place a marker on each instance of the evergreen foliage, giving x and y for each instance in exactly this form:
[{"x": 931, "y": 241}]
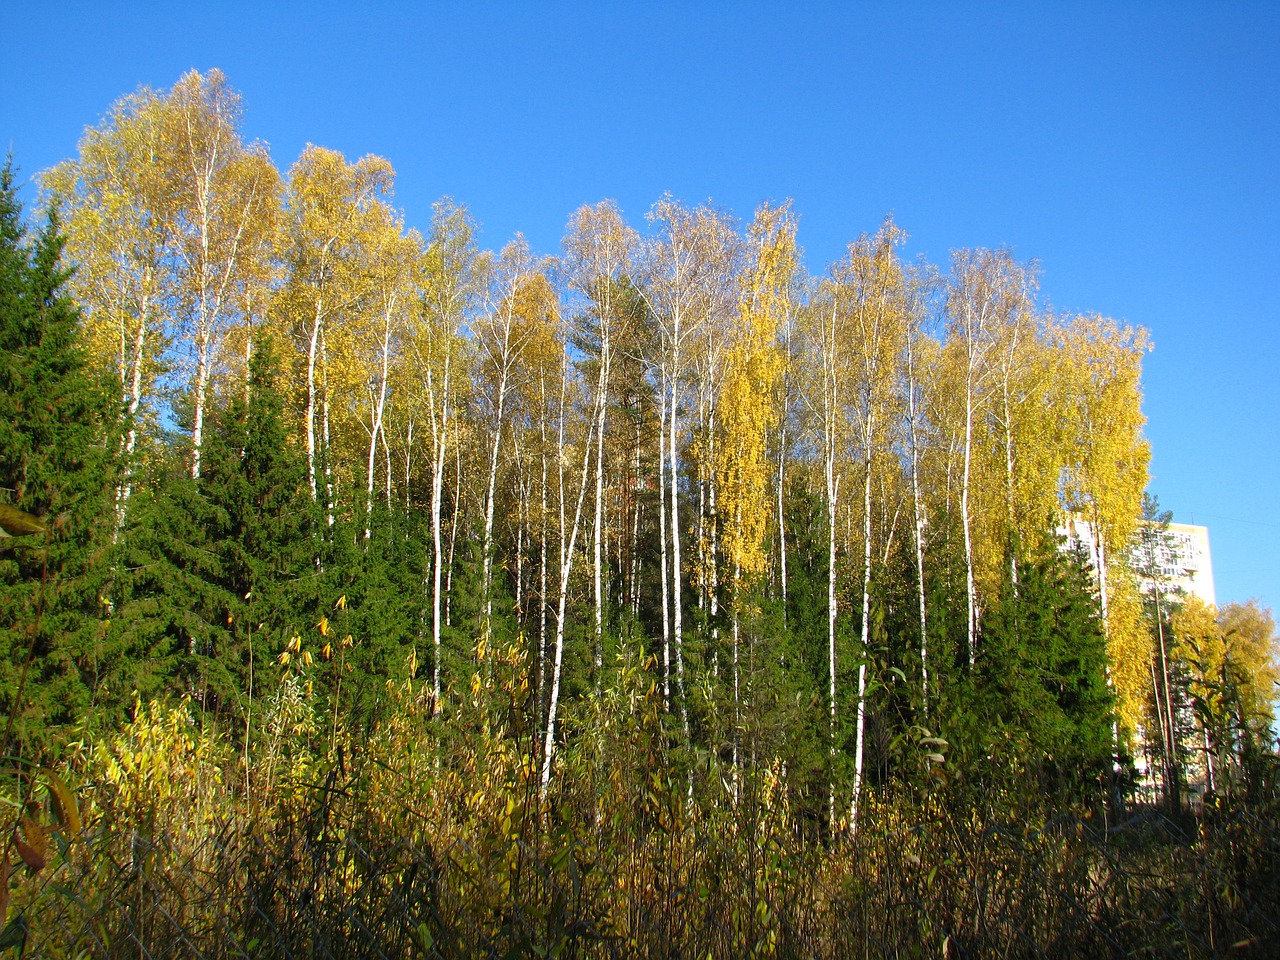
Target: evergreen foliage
[
  {"x": 1041, "y": 678},
  {"x": 55, "y": 465},
  {"x": 222, "y": 570}
]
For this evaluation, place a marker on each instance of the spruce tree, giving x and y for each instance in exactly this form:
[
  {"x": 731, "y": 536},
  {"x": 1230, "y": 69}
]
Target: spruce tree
[
  {"x": 1042, "y": 686},
  {"x": 256, "y": 482},
  {"x": 54, "y": 466},
  {"x": 169, "y": 610},
  {"x": 221, "y": 570}
]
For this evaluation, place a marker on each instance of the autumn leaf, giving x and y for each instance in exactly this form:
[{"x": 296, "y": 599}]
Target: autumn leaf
[
  {"x": 17, "y": 523},
  {"x": 64, "y": 803},
  {"x": 30, "y": 856}
]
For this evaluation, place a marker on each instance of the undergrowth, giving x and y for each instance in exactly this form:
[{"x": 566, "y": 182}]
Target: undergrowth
[{"x": 427, "y": 835}]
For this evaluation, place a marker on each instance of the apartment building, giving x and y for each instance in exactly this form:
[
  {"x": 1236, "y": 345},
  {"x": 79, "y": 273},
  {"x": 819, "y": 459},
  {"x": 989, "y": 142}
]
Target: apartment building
[{"x": 1177, "y": 557}]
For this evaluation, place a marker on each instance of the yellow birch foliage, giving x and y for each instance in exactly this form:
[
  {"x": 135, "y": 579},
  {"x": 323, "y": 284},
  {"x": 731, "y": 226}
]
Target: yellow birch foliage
[
  {"x": 171, "y": 221},
  {"x": 363, "y": 341},
  {"x": 1102, "y": 366},
  {"x": 1198, "y": 644},
  {"x": 220, "y": 206},
  {"x": 1040, "y": 452},
  {"x": 537, "y": 312},
  {"x": 1104, "y": 476},
  {"x": 1250, "y": 641},
  {"x": 116, "y": 241},
  {"x": 330, "y": 204},
  {"x": 1233, "y": 651},
  {"x": 1129, "y": 648},
  {"x": 747, "y": 404}
]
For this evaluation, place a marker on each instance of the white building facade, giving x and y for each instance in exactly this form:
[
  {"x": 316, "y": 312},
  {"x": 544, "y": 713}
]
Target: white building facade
[{"x": 1178, "y": 556}]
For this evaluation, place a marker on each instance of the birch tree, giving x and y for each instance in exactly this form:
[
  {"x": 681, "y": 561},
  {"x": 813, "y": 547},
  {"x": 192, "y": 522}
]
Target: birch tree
[
  {"x": 869, "y": 290},
  {"x": 599, "y": 250},
  {"x": 919, "y": 284},
  {"x": 980, "y": 295},
  {"x": 687, "y": 280},
  {"x": 171, "y": 220},
  {"x": 501, "y": 336},
  {"x": 534, "y": 412},
  {"x": 393, "y": 256},
  {"x": 1014, "y": 351},
  {"x": 453, "y": 278},
  {"x": 117, "y": 242},
  {"x": 1100, "y": 365},
  {"x": 568, "y": 540},
  {"x": 327, "y": 202},
  {"x": 220, "y": 206},
  {"x": 748, "y": 413},
  {"x": 830, "y": 340}
]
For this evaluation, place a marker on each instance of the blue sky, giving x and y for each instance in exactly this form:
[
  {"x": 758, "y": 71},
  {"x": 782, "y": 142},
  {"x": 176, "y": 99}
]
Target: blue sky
[{"x": 1131, "y": 148}]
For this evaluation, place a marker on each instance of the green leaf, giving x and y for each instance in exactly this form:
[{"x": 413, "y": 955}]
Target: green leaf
[{"x": 14, "y": 935}]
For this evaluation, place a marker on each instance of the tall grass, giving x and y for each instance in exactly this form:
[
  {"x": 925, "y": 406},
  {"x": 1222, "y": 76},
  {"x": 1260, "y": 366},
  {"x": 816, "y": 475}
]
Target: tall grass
[{"x": 425, "y": 836}]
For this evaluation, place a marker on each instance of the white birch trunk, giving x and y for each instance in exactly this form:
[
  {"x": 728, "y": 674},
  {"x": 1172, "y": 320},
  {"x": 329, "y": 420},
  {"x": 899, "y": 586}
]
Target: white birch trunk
[
  {"x": 970, "y": 589},
  {"x": 662, "y": 538},
  {"x": 313, "y": 353},
  {"x": 438, "y": 398},
  {"x": 566, "y": 568},
  {"x": 543, "y": 552},
  {"x": 832, "y": 480},
  {"x": 919, "y": 517},
  {"x": 860, "y": 736},
  {"x": 486, "y": 577},
  {"x": 133, "y": 399},
  {"x": 677, "y": 602},
  {"x": 330, "y": 499},
  {"x": 379, "y": 405},
  {"x": 602, "y": 399}
]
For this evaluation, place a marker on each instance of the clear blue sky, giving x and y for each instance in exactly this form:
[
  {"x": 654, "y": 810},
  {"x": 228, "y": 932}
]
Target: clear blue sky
[{"x": 1132, "y": 149}]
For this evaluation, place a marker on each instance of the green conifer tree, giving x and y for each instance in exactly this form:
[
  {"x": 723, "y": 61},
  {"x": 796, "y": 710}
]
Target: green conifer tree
[
  {"x": 1042, "y": 689},
  {"x": 261, "y": 530},
  {"x": 221, "y": 571},
  {"x": 54, "y": 467}
]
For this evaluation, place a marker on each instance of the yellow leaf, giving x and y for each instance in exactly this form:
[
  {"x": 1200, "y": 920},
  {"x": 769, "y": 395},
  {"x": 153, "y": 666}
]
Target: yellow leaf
[
  {"x": 64, "y": 803},
  {"x": 36, "y": 836},
  {"x": 18, "y": 523}
]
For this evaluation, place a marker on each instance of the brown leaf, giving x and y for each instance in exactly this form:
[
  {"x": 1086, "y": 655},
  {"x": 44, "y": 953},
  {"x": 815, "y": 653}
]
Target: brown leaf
[
  {"x": 4, "y": 887},
  {"x": 33, "y": 860}
]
